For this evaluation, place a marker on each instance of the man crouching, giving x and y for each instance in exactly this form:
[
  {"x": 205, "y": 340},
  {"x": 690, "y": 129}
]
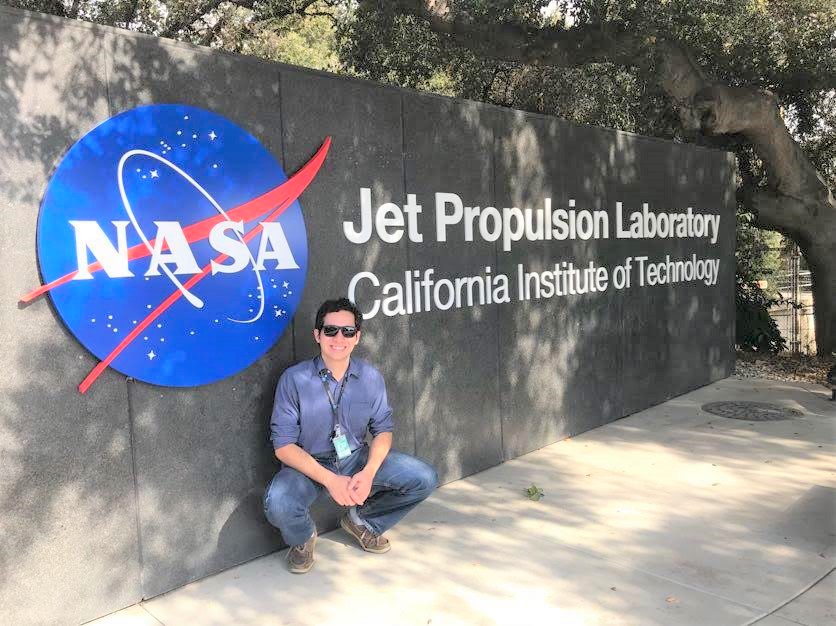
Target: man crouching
[{"x": 323, "y": 409}]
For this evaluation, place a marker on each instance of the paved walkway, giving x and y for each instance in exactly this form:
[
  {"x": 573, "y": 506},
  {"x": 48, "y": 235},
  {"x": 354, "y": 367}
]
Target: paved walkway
[{"x": 671, "y": 516}]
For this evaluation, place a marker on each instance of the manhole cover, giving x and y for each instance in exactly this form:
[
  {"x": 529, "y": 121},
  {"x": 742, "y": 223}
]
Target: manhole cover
[{"x": 751, "y": 411}]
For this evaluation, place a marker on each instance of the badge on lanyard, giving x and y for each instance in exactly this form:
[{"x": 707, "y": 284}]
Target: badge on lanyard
[{"x": 340, "y": 440}]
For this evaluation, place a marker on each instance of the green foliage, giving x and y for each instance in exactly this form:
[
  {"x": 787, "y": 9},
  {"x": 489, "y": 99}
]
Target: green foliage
[
  {"x": 757, "y": 259},
  {"x": 534, "y": 493},
  {"x": 304, "y": 41},
  {"x": 755, "y": 328},
  {"x": 758, "y": 253},
  {"x": 145, "y": 16},
  {"x": 288, "y": 31},
  {"x": 785, "y": 46}
]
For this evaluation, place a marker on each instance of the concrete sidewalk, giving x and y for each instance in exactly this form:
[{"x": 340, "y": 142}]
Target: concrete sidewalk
[{"x": 671, "y": 516}]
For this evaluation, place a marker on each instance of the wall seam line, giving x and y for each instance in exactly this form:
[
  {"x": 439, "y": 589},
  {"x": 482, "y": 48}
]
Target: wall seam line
[
  {"x": 137, "y": 515},
  {"x": 107, "y": 77},
  {"x": 502, "y": 447},
  {"x": 134, "y": 477},
  {"x": 409, "y": 266},
  {"x": 284, "y": 165}
]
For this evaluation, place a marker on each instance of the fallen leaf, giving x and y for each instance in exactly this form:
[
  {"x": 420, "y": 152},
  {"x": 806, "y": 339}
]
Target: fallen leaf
[{"x": 534, "y": 492}]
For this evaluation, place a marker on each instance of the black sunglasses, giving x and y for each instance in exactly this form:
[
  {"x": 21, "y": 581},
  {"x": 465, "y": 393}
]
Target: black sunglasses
[{"x": 331, "y": 331}]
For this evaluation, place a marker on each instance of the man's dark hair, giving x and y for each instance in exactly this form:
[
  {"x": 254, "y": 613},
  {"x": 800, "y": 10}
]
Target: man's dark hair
[{"x": 333, "y": 306}]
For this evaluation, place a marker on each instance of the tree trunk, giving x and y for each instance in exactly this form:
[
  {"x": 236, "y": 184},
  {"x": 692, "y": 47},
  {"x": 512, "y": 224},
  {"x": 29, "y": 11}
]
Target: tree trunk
[
  {"x": 813, "y": 228},
  {"x": 822, "y": 262},
  {"x": 796, "y": 202}
]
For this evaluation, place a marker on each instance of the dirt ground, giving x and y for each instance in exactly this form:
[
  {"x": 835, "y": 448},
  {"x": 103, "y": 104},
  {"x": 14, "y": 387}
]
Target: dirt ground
[{"x": 782, "y": 366}]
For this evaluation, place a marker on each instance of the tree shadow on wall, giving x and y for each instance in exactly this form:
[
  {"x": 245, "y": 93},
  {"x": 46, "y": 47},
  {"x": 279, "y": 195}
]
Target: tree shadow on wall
[
  {"x": 553, "y": 367},
  {"x": 132, "y": 490},
  {"x": 578, "y": 361},
  {"x": 75, "y": 467}
]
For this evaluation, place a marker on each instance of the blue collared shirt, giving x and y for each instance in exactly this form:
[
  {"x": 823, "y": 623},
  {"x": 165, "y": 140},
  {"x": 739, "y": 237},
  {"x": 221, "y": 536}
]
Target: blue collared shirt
[{"x": 302, "y": 412}]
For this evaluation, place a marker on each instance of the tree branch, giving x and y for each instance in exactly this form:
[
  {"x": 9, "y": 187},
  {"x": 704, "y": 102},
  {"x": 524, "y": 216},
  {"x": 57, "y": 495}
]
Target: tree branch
[
  {"x": 210, "y": 33},
  {"x": 508, "y": 41},
  {"x": 703, "y": 104},
  {"x": 178, "y": 22},
  {"x": 486, "y": 90},
  {"x": 772, "y": 211},
  {"x": 130, "y": 14}
]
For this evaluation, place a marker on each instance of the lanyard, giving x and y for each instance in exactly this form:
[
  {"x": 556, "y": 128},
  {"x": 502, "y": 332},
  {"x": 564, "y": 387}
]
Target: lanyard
[{"x": 335, "y": 404}]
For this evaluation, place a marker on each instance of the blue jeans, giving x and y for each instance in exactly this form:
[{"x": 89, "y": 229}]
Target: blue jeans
[{"x": 400, "y": 484}]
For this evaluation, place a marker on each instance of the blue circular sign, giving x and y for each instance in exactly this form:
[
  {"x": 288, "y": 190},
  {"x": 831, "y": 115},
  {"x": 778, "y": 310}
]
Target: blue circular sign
[{"x": 170, "y": 244}]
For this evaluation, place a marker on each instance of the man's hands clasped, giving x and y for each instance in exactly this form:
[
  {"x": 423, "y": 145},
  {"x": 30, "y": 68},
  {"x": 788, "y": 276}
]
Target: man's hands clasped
[
  {"x": 350, "y": 491},
  {"x": 360, "y": 486}
]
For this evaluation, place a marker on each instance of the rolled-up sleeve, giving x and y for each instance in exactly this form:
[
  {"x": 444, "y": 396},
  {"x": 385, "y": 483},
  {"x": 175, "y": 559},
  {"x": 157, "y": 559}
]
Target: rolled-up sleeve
[
  {"x": 284, "y": 422},
  {"x": 381, "y": 418}
]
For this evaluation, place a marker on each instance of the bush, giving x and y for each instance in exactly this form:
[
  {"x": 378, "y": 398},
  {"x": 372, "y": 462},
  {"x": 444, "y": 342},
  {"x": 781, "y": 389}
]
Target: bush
[
  {"x": 755, "y": 329},
  {"x": 757, "y": 258}
]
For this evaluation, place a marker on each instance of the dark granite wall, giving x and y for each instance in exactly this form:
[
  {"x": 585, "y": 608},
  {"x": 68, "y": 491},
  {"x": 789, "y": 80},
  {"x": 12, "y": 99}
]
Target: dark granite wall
[{"x": 132, "y": 490}]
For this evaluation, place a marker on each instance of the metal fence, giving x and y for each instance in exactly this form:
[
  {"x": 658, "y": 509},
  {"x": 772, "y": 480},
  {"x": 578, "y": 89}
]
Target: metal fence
[{"x": 795, "y": 315}]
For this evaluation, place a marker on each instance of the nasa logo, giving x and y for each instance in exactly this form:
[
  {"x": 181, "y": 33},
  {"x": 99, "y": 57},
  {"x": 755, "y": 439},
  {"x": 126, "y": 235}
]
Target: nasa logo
[{"x": 172, "y": 245}]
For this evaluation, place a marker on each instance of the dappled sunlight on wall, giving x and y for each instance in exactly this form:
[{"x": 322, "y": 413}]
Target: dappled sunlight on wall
[{"x": 132, "y": 490}]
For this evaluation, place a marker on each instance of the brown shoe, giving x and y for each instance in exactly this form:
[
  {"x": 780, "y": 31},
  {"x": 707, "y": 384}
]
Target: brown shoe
[
  {"x": 300, "y": 558},
  {"x": 366, "y": 538}
]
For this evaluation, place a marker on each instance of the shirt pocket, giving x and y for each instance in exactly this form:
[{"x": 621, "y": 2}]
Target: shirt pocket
[{"x": 359, "y": 414}]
